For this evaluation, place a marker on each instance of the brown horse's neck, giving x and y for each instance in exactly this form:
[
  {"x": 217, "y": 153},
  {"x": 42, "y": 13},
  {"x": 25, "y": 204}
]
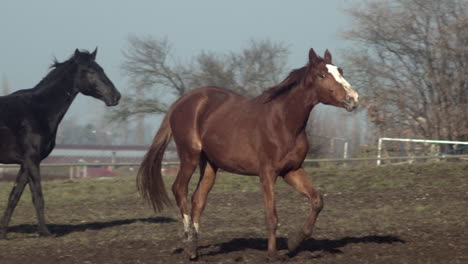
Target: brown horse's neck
[
  {"x": 296, "y": 106},
  {"x": 292, "y": 100}
]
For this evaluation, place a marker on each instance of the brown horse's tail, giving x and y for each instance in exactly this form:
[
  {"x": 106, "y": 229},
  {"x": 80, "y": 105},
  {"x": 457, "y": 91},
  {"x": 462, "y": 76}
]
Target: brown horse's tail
[{"x": 149, "y": 178}]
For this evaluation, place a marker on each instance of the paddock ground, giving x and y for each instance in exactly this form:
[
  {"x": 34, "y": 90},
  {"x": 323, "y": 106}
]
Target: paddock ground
[{"x": 393, "y": 214}]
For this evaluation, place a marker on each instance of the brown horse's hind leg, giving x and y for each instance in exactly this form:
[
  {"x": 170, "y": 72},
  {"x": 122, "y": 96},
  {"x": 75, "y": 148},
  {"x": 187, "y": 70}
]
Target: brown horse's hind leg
[
  {"x": 188, "y": 163},
  {"x": 299, "y": 181},
  {"x": 199, "y": 197}
]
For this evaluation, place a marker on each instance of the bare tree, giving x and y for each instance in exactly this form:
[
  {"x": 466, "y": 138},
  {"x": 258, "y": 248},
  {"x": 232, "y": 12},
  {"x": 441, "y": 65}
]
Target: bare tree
[
  {"x": 157, "y": 77},
  {"x": 410, "y": 58},
  {"x": 261, "y": 64},
  {"x": 153, "y": 74},
  {"x": 211, "y": 69}
]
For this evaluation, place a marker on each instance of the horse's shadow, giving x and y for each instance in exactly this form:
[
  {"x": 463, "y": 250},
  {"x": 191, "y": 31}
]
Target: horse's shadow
[
  {"x": 328, "y": 245},
  {"x": 64, "y": 229}
]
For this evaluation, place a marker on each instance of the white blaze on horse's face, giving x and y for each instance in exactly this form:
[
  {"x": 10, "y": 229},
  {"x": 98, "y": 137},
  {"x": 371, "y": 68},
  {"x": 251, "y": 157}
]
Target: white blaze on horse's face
[{"x": 341, "y": 80}]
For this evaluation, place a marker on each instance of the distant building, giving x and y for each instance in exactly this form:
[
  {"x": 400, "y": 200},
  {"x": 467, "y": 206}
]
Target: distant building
[{"x": 101, "y": 154}]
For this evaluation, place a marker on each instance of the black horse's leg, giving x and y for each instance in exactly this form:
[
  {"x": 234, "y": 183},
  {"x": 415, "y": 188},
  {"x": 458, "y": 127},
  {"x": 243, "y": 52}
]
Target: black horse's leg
[
  {"x": 15, "y": 194},
  {"x": 34, "y": 176}
]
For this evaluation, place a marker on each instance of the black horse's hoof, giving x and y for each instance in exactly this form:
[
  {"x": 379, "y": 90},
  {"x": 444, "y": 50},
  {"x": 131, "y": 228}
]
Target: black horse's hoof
[{"x": 3, "y": 234}]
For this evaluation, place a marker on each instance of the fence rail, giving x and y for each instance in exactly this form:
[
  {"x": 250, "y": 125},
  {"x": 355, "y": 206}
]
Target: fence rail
[
  {"x": 305, "y": 161},
  {"x": 381, "y": 140}
]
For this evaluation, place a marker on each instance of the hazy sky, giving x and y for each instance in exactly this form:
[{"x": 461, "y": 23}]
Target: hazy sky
[{"x": 34, "y": 32}]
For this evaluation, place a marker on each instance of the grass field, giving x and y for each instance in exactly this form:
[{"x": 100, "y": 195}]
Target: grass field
[{"x": 393, "y": 214}]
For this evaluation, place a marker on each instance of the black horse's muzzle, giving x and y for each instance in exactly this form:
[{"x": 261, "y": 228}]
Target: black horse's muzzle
[{"x": 114, "y": 100}]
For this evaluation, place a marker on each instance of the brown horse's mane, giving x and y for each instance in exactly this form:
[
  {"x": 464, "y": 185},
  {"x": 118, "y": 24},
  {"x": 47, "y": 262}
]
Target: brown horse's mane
[{"x": 295, "y": 77}]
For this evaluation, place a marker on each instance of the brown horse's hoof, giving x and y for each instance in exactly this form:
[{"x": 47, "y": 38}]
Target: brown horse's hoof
[
  {"x": 275, "y": 257},
  {"x": 272, "y": 257},
  {"x": 296, "y": 240},
  {"x": 190, "y": 248},
  {"x": 44, "y": 233}
]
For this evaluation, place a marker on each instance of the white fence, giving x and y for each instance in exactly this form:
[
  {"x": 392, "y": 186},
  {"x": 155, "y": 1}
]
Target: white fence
[
  {"x": 381, "y": 140},
  {"x": 81, "y": 161},
  {"x": 74, "y": 167}
]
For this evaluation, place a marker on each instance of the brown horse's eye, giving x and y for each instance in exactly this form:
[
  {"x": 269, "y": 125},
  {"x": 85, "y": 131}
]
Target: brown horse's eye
[{"x": 323, "y": 76}]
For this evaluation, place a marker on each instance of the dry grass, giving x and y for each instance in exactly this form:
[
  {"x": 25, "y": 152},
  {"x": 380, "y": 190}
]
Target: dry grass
[{"x": 394, "y": 214}]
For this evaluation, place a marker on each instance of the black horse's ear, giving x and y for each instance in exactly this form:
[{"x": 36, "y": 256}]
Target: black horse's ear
[
  {"x": 93, "y": 55},
  {"x": 328, "y": 57},
  {"x": 313, "y": 58},
  {"x": 77, "y": 56}
]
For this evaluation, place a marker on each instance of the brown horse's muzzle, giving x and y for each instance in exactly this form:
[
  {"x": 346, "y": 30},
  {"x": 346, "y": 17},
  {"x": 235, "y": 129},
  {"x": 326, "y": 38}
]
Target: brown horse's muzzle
[{"x": 350, "y": 104}]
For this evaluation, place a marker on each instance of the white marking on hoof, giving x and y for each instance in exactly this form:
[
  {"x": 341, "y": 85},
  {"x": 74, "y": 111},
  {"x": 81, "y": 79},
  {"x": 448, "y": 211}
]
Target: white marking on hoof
[
  {"x": 187, "y": 223},
  {"x": 197, "y": 227}
]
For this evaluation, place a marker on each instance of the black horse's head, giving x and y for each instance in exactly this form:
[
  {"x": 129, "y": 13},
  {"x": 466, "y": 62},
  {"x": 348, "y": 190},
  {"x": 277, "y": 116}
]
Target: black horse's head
[{"x": 91, "y": 79}]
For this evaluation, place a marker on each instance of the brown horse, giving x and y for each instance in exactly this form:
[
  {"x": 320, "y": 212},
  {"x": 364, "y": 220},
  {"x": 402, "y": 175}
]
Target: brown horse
[{"x": 263, "y": 136}]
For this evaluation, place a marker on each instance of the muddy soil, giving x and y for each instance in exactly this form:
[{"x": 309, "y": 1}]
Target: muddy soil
[{"x": 422, "y": 222}]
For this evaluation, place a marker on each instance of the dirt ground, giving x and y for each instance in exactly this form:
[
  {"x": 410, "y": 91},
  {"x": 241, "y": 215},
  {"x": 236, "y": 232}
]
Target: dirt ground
[{"x": 405, "y": 214}]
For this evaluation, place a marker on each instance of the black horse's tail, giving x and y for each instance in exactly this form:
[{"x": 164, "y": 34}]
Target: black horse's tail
[{"x": 149, "y": 178}]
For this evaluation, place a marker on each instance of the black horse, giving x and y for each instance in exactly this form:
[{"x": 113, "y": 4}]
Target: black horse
[{"x": 29, "y": 120}]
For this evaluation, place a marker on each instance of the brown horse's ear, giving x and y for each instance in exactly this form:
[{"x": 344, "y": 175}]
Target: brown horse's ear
[
  {"x": 313, "y": 58},
  {"x": 328, "y": 57}
]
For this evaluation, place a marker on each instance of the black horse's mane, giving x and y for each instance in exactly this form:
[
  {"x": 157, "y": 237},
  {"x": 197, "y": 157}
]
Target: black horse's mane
[
  {"x": 56, "y": 63},
  {"x": 56, "y": 69},
  {"x": 63, "y": 68}
]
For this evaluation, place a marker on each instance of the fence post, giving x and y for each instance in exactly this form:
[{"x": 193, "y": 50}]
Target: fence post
[
  {"x": 70, "y": 172},
  {"x": 345, "y": 154},
  {"x": 114, "y": 156},
  {"x": 379, "y": 151}
]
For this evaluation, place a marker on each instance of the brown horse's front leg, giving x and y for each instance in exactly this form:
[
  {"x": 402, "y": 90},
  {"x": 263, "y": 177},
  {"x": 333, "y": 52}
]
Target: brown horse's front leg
[
  {"x": 267, "y": 181},
  {"x": 299, "y": 181},
  {"x": 191, "y": 239}
]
